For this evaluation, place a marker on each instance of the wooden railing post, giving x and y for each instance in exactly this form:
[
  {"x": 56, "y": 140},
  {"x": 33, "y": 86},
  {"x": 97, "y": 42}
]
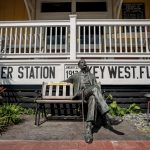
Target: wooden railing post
[{"x": 73, "y": 37}]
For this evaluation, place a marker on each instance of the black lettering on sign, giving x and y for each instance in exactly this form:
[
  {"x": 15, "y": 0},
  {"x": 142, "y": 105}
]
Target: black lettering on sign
[
  {"x": 133, "y": 70},
  {"x": 148, "y": 72},
  {"x": 20, "y": 71},
  {"x": 120, "y": 72},
  {"x": 31, "y": 74},
  {"x": 36, "y": 71},
  {"x": 3, "y": 72},
  {"x": 41, "y": 72},
  {"x": 6, "y": 73},
  {"x": 27, "y": 71},
  {"x": 90, "y": 68},
  {"x": 9, "y": 72},
  {"x": 102, "y": 68},
  {"x": 52, "y": 72},
  {"x": 142, "y": 68},
  {"x": 45, "y": 72},
  {"x": 112, "y": 71},
  {"x": 95, "y": 71},
  {"x": 70, "y": 73},
  {"x": 127, "y": 72}
]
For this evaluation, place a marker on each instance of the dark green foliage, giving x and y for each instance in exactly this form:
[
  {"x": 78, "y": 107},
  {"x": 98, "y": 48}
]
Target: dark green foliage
[
  {"x": 10, "y": 114},
  {"x": 116, "y": 110}
]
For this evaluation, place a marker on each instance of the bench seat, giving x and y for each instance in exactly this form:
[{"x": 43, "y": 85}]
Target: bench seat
[
  {"x": 58, "y": 101},
  {"x": 54, "y": 93}
]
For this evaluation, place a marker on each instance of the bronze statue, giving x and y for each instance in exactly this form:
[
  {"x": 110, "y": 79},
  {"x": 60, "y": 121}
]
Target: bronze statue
[{"x": 85, "y": 81}]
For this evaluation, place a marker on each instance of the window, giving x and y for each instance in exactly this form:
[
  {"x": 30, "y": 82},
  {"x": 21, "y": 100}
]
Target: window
[
  {"x": 91, "y": 6},
  {"x": 133, "y": 11},
  {"x": 85, "y": 9},
  {"x": 56, "y": 7}
]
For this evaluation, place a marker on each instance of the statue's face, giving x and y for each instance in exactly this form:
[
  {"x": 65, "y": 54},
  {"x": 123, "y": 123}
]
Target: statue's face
[{"x": 82, "y": 64}]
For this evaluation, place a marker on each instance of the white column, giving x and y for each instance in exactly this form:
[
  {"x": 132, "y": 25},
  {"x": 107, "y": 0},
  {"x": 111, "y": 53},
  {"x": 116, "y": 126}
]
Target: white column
[{"x": 73, "y": 37}]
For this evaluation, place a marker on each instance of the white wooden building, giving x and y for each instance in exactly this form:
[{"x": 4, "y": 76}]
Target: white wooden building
[{"x": 113, "y": 36}]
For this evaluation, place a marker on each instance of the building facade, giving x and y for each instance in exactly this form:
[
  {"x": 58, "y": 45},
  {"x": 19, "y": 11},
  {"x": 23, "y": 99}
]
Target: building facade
[{"x": 42, "y": 40}]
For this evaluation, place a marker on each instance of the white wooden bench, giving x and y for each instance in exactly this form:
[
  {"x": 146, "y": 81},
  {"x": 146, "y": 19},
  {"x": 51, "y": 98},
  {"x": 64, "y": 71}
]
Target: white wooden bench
[{"x": 54, "y": 92}]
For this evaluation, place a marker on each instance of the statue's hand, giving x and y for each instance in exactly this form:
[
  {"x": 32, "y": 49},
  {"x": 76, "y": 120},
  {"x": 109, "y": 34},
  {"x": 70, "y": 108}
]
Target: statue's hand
[{"x": 82, "y": 87}]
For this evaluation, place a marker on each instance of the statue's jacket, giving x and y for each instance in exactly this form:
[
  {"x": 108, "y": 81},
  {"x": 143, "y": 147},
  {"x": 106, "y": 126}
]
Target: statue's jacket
[{"x": 75, "y": 79}]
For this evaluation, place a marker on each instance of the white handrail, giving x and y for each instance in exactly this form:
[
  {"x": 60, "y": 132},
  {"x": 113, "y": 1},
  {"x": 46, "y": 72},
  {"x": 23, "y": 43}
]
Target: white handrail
[{"x": 75, "y": 38}]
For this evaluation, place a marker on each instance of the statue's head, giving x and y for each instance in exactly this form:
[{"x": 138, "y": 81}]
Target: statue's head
[{"x": 82, "y": 64}]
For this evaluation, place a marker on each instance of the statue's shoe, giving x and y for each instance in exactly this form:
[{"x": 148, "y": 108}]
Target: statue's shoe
[
  {"x": 88, "y": 135},
  {"x": 116, "y": 121},
  {"x": 108, "y": 121}
]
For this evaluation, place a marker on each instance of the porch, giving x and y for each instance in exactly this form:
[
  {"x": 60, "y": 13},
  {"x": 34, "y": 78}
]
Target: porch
[
  {"x": 75, "y": 38},
  {"x": 118, "y": 52}
]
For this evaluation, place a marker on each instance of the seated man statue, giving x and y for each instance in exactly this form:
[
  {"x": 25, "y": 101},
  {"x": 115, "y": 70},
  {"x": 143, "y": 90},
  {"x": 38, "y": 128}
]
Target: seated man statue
[{"x": 86, "y": 82}]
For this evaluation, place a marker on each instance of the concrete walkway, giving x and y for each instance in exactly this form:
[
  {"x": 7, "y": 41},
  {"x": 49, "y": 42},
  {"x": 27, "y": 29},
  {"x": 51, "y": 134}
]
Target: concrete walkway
[{"x": 68, "y": 135}]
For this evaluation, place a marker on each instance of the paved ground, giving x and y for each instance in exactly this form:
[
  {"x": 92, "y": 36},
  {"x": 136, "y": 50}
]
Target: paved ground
[
  {"x": 63, "y": 133},
  {"x": 69, "y": 130}
]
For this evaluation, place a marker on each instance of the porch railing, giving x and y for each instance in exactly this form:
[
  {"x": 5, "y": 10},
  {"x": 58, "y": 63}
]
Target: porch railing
[
  {"x": 34, "y": 39},
  {"x": 114, "y": 38},
  {"x": 75, "y": 38}
]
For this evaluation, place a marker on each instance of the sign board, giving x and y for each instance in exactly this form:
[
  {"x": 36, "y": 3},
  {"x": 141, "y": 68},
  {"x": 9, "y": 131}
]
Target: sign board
[
  {"x": 116, "y": 74},
  {"x": 106, "y": 73},
  {"x": 29, "y": 74},
  {"x": 133, "y": 11}
]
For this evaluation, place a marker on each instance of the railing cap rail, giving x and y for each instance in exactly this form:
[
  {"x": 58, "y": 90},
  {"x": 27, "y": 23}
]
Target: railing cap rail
[
  {"x": 110, "y": 22},
  {"x": 37, "y": 23}
]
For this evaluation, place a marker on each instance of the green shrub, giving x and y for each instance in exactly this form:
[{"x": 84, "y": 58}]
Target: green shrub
[
  {"x": 133, "y": 108},
  {"x": 27, "y": 111},
  {"x": 11, "y": 114},
  {"x": 116, "y": 110}
]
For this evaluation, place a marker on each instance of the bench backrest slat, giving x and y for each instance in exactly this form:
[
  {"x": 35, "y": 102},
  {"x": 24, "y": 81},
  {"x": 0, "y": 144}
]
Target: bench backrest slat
[
  {"x": 57, "y": 90},
  {"x": 64, "y": 90},
  {"x": 71, "y": 90},
  {"x": 52, "y": 90},
  {"x": 43, "y": 88}
]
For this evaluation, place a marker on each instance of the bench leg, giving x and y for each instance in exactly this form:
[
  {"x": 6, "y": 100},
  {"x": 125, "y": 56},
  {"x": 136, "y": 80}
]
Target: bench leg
[
  {"x": 44, "y": 111},
  {"x": 37, "y": 114},
  {"x": 40, "y": 109}
]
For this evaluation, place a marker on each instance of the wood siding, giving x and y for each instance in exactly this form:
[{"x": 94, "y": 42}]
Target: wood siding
[
  {"x": 125, "y": 95},
  {"x": 11, "y": 10},
  {"x": 15, "y": 9}
]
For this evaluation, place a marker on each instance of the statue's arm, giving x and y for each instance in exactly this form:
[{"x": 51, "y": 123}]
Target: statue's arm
[
  {"x": 97, "y": 83},
  {"x": 70, "y": 79}
]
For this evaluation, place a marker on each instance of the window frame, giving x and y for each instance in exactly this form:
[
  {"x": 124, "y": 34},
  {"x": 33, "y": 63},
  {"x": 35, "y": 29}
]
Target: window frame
[{"x": 80, "y": 15}]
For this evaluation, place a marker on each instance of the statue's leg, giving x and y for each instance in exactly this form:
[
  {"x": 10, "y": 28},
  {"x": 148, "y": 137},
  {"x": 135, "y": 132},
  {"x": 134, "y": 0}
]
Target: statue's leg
[
  {"x": 91, "y": 109},
  {"x": 101, "y": 103},
  {"x": 90, "y": 119},
  {"x": 88, "y": 135},
  {"x": 98, "y": 100},
  {"x": 103, "y": 108}
]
